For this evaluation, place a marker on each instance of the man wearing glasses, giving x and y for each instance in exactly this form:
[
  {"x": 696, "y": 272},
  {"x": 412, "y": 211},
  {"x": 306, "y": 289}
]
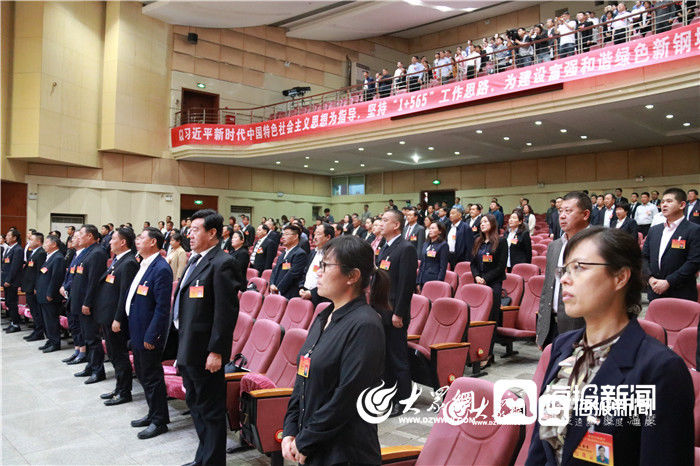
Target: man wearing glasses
[{"x": 574, "y": 216}]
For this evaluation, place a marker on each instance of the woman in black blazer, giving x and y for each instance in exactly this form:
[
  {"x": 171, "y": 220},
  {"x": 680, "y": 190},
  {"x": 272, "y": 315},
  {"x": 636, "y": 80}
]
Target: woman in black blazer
[
  {"x": 240, "y": 254},
  {"x": 602, "y": 283},
  {"x": 433, "y": 258},
  {"x": 489, "y": 261},
  {"x": 624, "y": 222},
  {"x": 518, "y": 240}
]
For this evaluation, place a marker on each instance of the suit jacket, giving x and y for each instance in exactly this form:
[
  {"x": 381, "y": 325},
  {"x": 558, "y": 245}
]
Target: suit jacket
[
  {"x": 678, "y": 265},
  {"x": 226, "y": 245},
  {"x": 402, "y": 263},
  {"x": 629, "y": 225},
  {"x": 361, "y": 231},
  {"x": 12, "y": 262},
  {"x": 50, "y": 278},
  {"x": 70, "y": 255},
  {"x": 475, "y": 230},
  {"x": 600, "y": 219},
  {"x": 464, "y": 242},
  {"x": 621, "y": 199},
  {"x": 695, "y": 214},
  {"x": 546, "y": 309},
  {"x": 249, "y": 235},
  {"x": 636, "y": 358},
  {"x": 275, "y": 236},
  {"x": 520, "y": 248},
  {"x": 433, "y": 267},
  {"x": 166, "y": 242},
  {"x": 90, "y": 266},
  {"x": 62, "y": 247},
  {"x": 288, "y": 274},
  {"x": 31, "y": 269},
  {"x": 112, "y": 289},
  {"x": 242, "y": 259},
  {"x": 656, "y": 202},
  {"x": 495, "y": 271},
  {"x": 416, "y": 236},
  {"x": 265, "y": 255},
  {"x": 633, "y": 209},
  {"x": 149, "y": 314},
  {"x": 304, "y": 244},
  {"x": 554, "y": 228},
  {"x": 205, "y": 324},
  {"x": 104, "y": 242}
]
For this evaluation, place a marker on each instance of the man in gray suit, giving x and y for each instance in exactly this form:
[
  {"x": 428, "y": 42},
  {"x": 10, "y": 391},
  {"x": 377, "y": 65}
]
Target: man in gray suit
[
  {"x": 574, "y": 216},
  {"x": 414, "y": 232}
]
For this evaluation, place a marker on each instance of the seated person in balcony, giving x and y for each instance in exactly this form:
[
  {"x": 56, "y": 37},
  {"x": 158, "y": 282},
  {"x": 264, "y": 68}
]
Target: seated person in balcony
[
  {"x": 342, "y": 356},
  {"x": 602, "y": 282}
]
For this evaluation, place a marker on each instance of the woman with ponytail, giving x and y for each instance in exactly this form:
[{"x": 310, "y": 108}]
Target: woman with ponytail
[{"x": 343, "y": 355}]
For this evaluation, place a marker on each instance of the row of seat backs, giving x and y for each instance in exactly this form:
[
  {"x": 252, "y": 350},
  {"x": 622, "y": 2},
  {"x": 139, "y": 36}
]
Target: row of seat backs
[{"x": 293, "y": 313}]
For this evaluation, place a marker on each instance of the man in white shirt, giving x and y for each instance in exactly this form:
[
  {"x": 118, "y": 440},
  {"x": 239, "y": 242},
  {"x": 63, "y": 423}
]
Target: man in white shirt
[
  {"x": 608, "y": 212},
  {"x": 644, "y": 214},
  {"x": 322, "y": 235},
  {"x": 621, "y": 24},
  {"x": 415, "y": 70},
  {"x": 399, "y": 78},
  {"x": 567, "y": 40}
]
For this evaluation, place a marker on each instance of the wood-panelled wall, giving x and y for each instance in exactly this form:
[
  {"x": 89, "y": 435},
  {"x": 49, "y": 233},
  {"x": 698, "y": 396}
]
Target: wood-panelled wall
[{"x": 14, "y": 207}]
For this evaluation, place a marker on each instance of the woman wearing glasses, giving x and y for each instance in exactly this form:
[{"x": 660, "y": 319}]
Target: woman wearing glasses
[
  {"x": 342, "y": 356},
  {"x": 601, "y": 281}
]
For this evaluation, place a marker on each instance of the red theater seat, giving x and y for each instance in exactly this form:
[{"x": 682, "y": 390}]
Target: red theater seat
[
  {"x": 298, "y": 314},
  {"x": 686, "y": 346},
  {"x": 438, "y": 356},
  {"x": 653, "y": 330},
  {"x": 250, "y": 273},
  {"x": 466, "y": 443},
  {"x": 420, "y": 307},
  {"x": 241, "y": 332},
  {"x": 436, "y": 289},
  {"x": 266, "y": 274},
  {"x": 526, "y": 270},
  {"x": 673, "y": 315},
  {"x": 465, "y": 279},
  {"x": 539, "y": 248},
  {"x": 319, "y": 309},
  {"x": 514, "y": 287},
  {"x": 273, "y": 308},
  {"x": 462, "y": 267},
  {"x": 520, "y": 322},
  {"x": 452, "y": 279},
  {"x": 541, "y": 262},
  {"x": 250, "y": 303},
  {"x": 481, "y": 330},
  {"x": 695, "y": 375},
  {"x": 260, "y": 284}
]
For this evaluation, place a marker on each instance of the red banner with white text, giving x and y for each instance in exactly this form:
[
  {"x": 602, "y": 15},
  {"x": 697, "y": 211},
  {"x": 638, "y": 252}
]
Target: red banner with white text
[{"x": 672, "y": 45}]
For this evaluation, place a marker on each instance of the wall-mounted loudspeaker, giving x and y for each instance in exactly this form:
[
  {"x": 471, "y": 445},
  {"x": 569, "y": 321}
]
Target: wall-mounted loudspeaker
[{"x": 192, "y": 37}]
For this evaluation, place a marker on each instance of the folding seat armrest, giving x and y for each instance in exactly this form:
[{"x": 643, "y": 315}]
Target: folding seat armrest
[
  {"x": 271, "y": 392},
  {"x": 448, "y": 360},
  {"x": 234, "y": 376},
  {"x": 401, "y": 453},
  {"x": 444, "y": 346},
  {"x": 509, "y": 316},
  {"x": 481, "y": 323},
  {"x": 510, "y": 308},
  {"x": 413, "y": 338}
]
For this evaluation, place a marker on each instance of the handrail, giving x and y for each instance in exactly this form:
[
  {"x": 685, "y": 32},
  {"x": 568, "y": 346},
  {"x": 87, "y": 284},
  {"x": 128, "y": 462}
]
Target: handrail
[{"x": 355, "y": 93}]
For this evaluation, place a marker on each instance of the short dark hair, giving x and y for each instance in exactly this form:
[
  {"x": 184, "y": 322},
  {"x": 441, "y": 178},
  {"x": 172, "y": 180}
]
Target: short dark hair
[
  {"x": 265, "y": 227},
  {"x": 645, "y": 193},
  {"x": 105, "y": 226},
  {"x": 91, "y": 230},
  {"x": 618, "y": 189},
  {"x": 635, "y": 194},
  {"x": 294, "y": 228},
  {"x": 326, "y": 210},
  {"x": 54, "y": 239},
  {"x": 56, "y": 233},
  {"x": 328, "y": 229},
  {"x": 398, "y": 216},
  {"x": 128, "y": 235},
  {"x": 582, "y": 200},
  {"x": 39, "y": 236},
  {"x": 619, "y": 250},
  {"x": 155, "y": 233},
  {"x": 177, "y": 236},
  {"x": 169, "y": 222},
  {"x": 147, "y": 223},
  {"x": 229, "y": 228},
  {"x": 678, "y": 193},
  {"x": 212, "y": 219},
  {"x": 693, "y": 191},
  {"x": 655, "y": 191},
  {"x": 623, "y": 205}
]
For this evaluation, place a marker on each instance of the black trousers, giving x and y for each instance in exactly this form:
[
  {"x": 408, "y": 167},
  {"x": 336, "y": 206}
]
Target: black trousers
[
  {"x": 149, "y": 371},
  {"x": 119, "y": 355},
  {"x": 413, "y": 84},
  {"x": 49, "y": 313},
  {"x": 396, "y": 367},
  {"x": 643, "y": 229},
  {"x": 37, "y": 317},
  {"x": 93, "y": 342},
  {"x": 12, "y": 301},
  {"x": 206, "y": 398},
  {"x": 74, "y": 326}
]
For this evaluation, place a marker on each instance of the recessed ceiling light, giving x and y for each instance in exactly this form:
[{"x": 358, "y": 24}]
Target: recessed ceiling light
[
  {"x": 456, "y": 152},
  {"x": 389, "y": 153},
  {"x": 415, "y": 158},
  {"x": 478, "y": 131},
  {"x": 306, "y": 166},
  {"x": 402, "y": 142},
  {"x": 506, "y": 138},
  {"x": 563, "y": 130},
  {"x": 528, "y": 144},
  {"x": 332, "y": 169},
  {"x": 278, "y": 162},
  {"x": 431, "y": 148},
  {"x": 360, "y": 149},
  {"x": 649, "y": 107},
  {"x": 335, "y": 161},
  {"x": 669, "y": 116},
  {"x": 307, "y": 157},
  {"x": 584, "y": 137},
  {"x": 362, "y": 164},
  {"x": 686, "y": 124},
  {"x": 538, "y": 122}
]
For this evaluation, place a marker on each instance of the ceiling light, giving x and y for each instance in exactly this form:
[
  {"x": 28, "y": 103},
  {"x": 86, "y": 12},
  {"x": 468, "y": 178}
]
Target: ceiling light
[
  {"x": 389, "y": 153},
  {"x": 563, "y": 130},
  {"x": 538, "y": 123},
  {"x": 306, "y": 166},
  {"x": 431, "y": 148},
  {"x": 478, "y": 131},
  {"x": 415, "y": 158},
  {"x": 332, "y": 169},
  {"x": 456, "y": 152},
  {"x": 201, "y": 85},
  {"x": 506, "y": 138},
  {"x": 278, "y": 162},
  {"x": 402, "y": 142},
  {"x": 443, "y": 8},
  {"x": 335, "y": 161},
  {"x": 686, "y": 124},
  {"x": 528, "y": 144},
  {"x": 584, "y": 137},
  {"x": 307, "y": 157},
  {"x": 362, "y": 164},
  {"x": 669, "y": 116},
  {"x": 649, "y": 107},
  {"x": 360, "y": 149}
]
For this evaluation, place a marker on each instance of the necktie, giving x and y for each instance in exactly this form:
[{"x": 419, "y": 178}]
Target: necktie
[{"x": 190, "y": 266}]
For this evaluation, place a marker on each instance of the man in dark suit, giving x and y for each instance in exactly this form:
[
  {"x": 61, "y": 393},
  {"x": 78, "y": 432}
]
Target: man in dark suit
[
  {"x": 634, "y": 203},
  {"x": 398, "y": 257},
  {"x": 692, "y": 207},
  {"x": 70, "y": 231},
  {"x": 655, "y": 199},
  {"x": 623, "y": 221},
  {"x": 167, "y": 236},
  {"x": 369, "y": 86},
  {"x": 619, "y": 197},
  {"x": 413, "y": 232},
  {"x": 554, "y": 228},
  {"x": 47, "y": 292},
  {"x": 357, "y": 229},
  {"x": 12, "y": 262},
  {"x": 76, "y": 252},
  {"x": 265, "y": 250},
  {"x": 147, "y": 307},
  {"x": 92, "y": 264},
  {"x": 671, "y": 252},
  {"x": 606, "y": 216},
  {"x": 323, "y": 233},
  {"x": 61, "y": 245},
  {"x": 225, "y": 243},
  {"x": 106, "y": 233},
  {"x": 35, "y": 261},
  {"x": 109, "y": 303},
  {"x": 275, "y": 236},
  {"x": 288, "y": 273},
  {"x": 385, "y": 83},
  {"x": 474, "y": 220},
  {"x": 205, "y": 312},
  {"x": 459, "y": 239},
  {"x": 248, "y": 231},
  {"x": 574, "y": 216}
]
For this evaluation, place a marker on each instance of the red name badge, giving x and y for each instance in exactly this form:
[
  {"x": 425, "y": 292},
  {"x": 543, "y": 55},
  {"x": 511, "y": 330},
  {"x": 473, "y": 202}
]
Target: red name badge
[
  {"x": 316, "y": 267},
  {"x": 142, "y": 290},
  {"x": 376, "y": 252},
  {"x": 474, "y": 228},
  {"x": 678, "y": 243},
  {"x": 304, "y": 366},
  {"x": 431, "y": 252},
  {"x": 30, "y": 264},
  {"x": 7, "y": 260},
  {"x": 44, "y": 270},
  {"x": 514, "y": 241},
  {"x": 696, "y": 214},
  {"x": 72, "y": 269},
  {"x": 413, "y": 238},
  {"x": 109, "y": 278},
  {"x": 286, "y": 265},
  {"x": 596, "y": 448},
  {"x": 487, "y": 258},
  {"x": 384, "y": 265},
  {"x": 259, "y": 251},
  {"x": 196, "y": 292},
  {"x": 79, "y": 269}
]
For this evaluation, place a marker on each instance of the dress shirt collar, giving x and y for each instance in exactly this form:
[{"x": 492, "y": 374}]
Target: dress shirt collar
[
  {"x": 673, "y": 225},
  {"x": 391, "y": 241},
  {"x": 148, "y": 260},
  {"x": 48, "y": 256},
  {"x": 121, "y": 254}
]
